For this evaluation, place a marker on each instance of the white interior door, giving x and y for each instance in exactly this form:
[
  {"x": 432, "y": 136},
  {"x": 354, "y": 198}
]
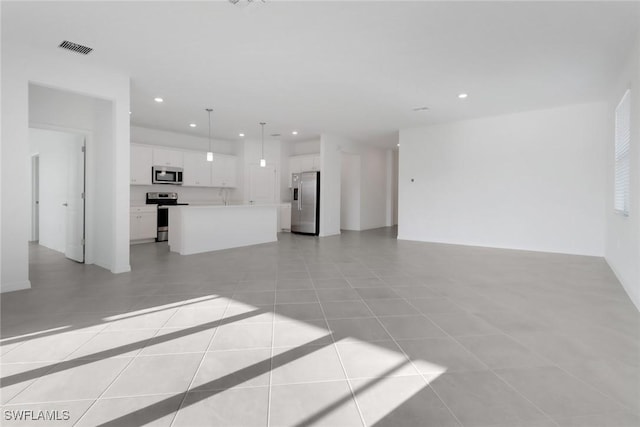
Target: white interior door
[
  {"x": 262, "y": 184},
  {"x": 74, "y": 205}
]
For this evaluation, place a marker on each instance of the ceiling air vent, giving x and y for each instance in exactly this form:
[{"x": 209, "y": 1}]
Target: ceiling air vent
[{"x": 75, "y": 47}]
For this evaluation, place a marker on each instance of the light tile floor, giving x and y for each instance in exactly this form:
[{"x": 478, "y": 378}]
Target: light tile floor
[{"x": 359, "y": 329}]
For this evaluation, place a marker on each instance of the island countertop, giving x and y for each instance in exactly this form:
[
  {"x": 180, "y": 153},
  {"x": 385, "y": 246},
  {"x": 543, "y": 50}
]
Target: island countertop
[
  {"x": 204, "y": 205},
  {"x": 203, "y": 228}
]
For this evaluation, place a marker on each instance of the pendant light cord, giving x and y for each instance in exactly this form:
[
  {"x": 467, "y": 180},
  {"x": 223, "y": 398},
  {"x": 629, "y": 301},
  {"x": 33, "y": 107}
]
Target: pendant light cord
[{"x": 262, "y": 124}]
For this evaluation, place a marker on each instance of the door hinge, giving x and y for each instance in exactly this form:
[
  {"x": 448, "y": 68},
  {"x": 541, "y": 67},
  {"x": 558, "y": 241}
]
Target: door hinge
[
  {"x": 83, "y": 149},
  {"x": 82, "y": 242},
  {"x": 82, "y": 195}
]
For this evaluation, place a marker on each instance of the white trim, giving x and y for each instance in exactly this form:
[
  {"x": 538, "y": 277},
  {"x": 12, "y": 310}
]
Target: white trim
[{"x": 15, "y": 286}]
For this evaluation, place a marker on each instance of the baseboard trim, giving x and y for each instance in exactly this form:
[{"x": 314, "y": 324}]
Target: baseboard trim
[
  {"x": 121, "y": 269},
  {"x": 635, "y": 298},
  {"x": 15, "y": 286}
]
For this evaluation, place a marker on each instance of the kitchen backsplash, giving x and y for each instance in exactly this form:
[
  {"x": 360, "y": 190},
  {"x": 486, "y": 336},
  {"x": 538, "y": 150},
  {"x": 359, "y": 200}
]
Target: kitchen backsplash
[{"x": 194, "y": 195}]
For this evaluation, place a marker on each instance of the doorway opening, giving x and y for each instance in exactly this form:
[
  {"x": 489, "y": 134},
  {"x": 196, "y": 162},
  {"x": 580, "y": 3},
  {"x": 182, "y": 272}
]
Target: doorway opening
[{"x": 58, "y": 191}]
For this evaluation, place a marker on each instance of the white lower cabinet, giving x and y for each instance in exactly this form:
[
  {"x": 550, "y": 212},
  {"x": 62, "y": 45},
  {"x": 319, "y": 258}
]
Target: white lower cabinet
[
  {"x": 285, "y": 217},
  {"x": 143, "y": 223}
]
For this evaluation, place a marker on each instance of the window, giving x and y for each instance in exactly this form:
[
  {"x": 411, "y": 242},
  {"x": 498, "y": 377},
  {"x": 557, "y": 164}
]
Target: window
[{"x": 623, "y": 155}]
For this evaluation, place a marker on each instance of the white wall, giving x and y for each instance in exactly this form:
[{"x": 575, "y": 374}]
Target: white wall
[
  {"x": 350, "y": 192},
  {"x": 143, "y": 135},
  {"x": 305, "y": 147},
  {"x": 21, "y": 65},
  {"x": 623, "y": 233},
  {"x": 53, "y": 149},
  {"x": 533, "y": 180},
  {"x": 193, "y": 195}
]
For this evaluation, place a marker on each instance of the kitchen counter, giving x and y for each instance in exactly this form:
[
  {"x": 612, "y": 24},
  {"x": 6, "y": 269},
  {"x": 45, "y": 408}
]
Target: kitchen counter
[{"x": 203, "y": 228}]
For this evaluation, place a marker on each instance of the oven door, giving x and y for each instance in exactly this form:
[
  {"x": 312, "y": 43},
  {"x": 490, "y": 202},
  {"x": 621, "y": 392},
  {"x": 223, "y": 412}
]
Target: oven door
[
  {"x": 166, "y": 175},
  {"x": 163, "y": 224}
]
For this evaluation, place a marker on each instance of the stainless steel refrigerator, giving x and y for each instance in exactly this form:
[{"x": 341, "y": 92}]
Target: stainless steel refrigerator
[{"x": 305, "y": 203}]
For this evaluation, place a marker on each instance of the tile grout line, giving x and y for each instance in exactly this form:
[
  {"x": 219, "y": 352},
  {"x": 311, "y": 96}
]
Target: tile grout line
[
  {"x": 635, "y": 411},
  {"x": 122, "y": 371},
  {"x": 273, "y": 338},
  {"x": 335, "y": 348},
  {"x": 53, "y": 366},
  {"x": 195, "y": 373},
  {"x": 428, "y": 384},
  {"x": 476, "y": 357},
  {"x": 507, "y": 334}
]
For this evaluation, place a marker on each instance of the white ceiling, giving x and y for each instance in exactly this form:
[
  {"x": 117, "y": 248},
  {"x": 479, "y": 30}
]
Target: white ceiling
[{"x": 352, "y": 68}]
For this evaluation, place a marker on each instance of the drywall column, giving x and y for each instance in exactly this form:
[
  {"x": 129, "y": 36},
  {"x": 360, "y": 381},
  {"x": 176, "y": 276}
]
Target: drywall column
[
  {"x": 394, "y": 182},
  {"x": 390, "y": 190},
  {"x": 623, "y": 232},
  {"x": 15, "y": 173},
  {"x": 350, "y": 192},
  {"x": 330, "y": 167}
]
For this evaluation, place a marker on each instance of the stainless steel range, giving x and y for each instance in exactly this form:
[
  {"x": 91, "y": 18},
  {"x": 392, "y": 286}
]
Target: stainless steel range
[{"x": 163, "y": 200}]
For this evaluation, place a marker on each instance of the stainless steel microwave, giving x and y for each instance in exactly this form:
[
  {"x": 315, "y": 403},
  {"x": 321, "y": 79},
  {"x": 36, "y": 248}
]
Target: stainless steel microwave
[{"x": 166, "y": 175}]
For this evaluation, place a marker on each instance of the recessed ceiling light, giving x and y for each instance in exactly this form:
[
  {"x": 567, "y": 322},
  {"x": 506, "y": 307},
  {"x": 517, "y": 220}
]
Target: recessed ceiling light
[
  {"x": 462, "y": 95},
  {"x": 241, "y": 134},
  {"x": 158, "y": 99},
  {"x": 193, "y": 125},
  {"x": 420, "y": 109},
  {"x": 398, "y": 144},
  {"x": 295, "y": 132},
  {"x": 129, "y": 112}
]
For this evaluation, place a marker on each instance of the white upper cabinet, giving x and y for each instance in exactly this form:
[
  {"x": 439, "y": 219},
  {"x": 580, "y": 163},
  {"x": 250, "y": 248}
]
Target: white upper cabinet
[
  {"x": 305, "y": 163},
  {"x": 224, "y": 171},
  {"x": 197, "y": 170},
  {"x": 141, "y": 162},
  {"x": 168, "y": 157}
]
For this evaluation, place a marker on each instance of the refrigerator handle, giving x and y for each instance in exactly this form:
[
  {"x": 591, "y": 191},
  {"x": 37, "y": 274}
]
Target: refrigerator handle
[{"x": 300, "y": 195}]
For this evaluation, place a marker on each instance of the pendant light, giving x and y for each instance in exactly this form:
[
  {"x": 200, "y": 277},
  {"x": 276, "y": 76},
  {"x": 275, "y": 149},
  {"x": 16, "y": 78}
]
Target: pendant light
[
  {"x": 210, "y": 152},
  {"x": 263, "y": 161}
]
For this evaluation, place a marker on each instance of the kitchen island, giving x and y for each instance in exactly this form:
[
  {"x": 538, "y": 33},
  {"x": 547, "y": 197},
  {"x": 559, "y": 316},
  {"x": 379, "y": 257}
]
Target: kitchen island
[{"x": 197, "y": 229}]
